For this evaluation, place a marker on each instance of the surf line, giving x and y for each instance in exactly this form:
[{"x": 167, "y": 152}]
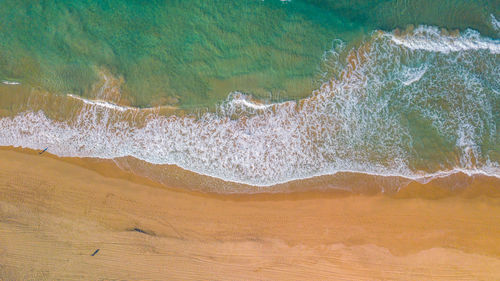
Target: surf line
[{"x": 10, "y": 82}]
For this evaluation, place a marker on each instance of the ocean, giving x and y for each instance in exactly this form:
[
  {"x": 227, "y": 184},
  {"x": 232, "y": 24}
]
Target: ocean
[{"x": 257, "y": 93}]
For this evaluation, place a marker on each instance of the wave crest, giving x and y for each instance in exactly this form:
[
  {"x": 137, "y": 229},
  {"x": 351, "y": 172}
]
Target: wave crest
[
  {"x": 415, "y": 106},
  {"x": 432, "y": 39}
]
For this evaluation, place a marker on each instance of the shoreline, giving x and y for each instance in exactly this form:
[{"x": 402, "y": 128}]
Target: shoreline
[
  {"x": 54, "y": 213},
  {"x": 172, "y": 176},
  {"x": 40, "y": 109}
]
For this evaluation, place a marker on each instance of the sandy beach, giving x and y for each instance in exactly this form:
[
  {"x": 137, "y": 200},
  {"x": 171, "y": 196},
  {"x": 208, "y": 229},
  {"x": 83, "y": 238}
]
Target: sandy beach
[
  {"x": 55, "y": 213},
  {"x": 249, "y": 140}
]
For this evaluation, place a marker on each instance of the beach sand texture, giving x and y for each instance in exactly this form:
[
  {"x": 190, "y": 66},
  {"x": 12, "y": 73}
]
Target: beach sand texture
[{"x": 55, "y": 213}]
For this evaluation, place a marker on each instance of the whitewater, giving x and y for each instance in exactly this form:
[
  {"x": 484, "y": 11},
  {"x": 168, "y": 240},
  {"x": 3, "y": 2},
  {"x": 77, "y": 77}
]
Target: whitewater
[{"x": 418, "y": 105}]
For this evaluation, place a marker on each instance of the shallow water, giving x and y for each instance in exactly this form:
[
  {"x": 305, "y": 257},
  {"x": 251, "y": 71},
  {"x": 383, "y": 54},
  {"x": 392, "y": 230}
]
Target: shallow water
[
  {"x": 194, "y": 53},
  {"x": 411, "y": 104}
]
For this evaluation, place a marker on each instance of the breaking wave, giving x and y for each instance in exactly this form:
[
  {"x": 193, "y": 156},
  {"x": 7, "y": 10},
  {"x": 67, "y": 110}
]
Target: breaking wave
[{"x": 416, "y": 105}]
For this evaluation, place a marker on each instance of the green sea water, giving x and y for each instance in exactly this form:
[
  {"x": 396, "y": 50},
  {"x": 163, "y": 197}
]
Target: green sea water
[
  {"x": 271, "y": 91},
  {"x": 194, "y": 53}
]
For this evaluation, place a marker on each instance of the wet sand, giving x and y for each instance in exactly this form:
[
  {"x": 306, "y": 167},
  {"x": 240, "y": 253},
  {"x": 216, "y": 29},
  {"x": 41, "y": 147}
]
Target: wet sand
[{"x": 55, "y": 213}]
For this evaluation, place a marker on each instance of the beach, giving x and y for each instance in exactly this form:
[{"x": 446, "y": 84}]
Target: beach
[
  {"x": 249, "y": 140},
  {"x": 56, "y": 212}
]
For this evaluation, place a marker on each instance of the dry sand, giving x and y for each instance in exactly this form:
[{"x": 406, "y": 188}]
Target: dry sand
[{"x": 54, "y": 213}]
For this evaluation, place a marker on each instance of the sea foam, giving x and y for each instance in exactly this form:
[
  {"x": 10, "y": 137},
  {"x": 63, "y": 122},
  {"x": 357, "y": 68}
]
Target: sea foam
[
  {"x": 430, "y": 39},
  {"x": 10, "y": 83},
  {"x": 495, "y": 23},
  {"x": 395, "y": 106}
]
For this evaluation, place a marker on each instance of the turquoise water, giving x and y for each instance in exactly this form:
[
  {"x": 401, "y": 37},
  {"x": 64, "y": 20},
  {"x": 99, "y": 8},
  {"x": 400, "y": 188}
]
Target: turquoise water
[
  {"x": 297, "y": 89},
  {"x": 193, "y": 53}
]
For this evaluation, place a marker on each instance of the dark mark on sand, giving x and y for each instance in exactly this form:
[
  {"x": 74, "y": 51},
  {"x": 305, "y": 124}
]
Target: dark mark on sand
[
  {"x": 39, "y": 153},
  {"x": 142, "y": 231}
]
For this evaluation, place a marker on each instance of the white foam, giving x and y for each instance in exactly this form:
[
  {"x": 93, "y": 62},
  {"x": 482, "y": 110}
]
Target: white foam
[
  {"x": 413, "y": 75},
  {"x": 250, "y": 104},
  {"x": 104, "y": 104},
  {"x": 349, "y": 125},
  {"x": 495, "y": 23},
  {"x": 10, "y": 82},
  {"x": 430, "y": 39}
]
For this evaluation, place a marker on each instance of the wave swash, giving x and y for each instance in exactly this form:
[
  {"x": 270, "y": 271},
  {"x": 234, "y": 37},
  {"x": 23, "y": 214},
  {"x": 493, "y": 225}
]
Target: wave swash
[{"x": 413, "y": 104}]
